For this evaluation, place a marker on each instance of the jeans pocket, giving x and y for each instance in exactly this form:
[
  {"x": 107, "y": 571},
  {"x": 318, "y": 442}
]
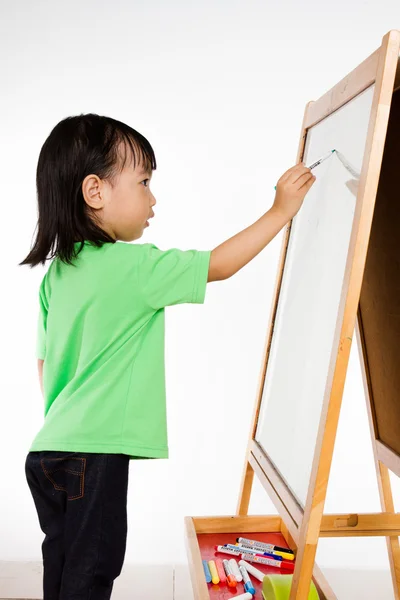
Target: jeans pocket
[{"x": 67, "y": 475}]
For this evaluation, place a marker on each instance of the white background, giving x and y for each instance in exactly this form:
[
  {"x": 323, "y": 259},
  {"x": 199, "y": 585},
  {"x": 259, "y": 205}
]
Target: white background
[{"x": 219, "y": 89}]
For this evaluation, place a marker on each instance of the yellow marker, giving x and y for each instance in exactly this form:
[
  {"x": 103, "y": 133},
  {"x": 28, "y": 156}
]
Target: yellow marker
[
  {"x": 284, "y": 555},
  {"x": 214, "y": 573}
]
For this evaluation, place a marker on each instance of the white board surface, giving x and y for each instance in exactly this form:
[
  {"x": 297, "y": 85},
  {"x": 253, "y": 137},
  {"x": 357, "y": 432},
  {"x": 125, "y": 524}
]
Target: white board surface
[{"x": 310, "y": 296}]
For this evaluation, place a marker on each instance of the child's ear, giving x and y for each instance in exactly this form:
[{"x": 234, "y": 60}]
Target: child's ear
[{"x": 93, "y": 192}]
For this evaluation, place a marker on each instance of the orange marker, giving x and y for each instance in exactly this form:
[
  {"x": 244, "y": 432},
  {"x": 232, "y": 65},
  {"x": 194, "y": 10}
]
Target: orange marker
[{"x": 230, "y": 578}]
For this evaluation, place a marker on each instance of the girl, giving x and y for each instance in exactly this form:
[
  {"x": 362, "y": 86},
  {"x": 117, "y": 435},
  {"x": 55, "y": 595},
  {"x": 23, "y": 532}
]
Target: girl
[{"x": 101, "y": 337}]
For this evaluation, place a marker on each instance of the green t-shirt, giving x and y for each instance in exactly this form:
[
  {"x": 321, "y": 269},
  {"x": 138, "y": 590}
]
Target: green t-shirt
[{"x": 101, "y": 335}]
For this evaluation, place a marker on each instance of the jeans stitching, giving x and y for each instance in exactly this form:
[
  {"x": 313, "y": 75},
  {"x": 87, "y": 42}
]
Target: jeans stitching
[{"x": 81, "y": 475}]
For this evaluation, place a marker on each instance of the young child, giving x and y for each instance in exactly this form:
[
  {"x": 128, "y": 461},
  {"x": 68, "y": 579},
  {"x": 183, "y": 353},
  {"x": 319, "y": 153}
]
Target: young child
[{"x": 101, "y": 337}]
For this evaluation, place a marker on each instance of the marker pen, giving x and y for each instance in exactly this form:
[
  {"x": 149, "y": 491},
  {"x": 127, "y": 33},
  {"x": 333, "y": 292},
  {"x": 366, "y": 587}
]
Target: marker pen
[
  {"x": 231, "y": 551},
  {"x": 262, "y": 545},
  {"x": 261, "y": 560},
  {"x": 230, "y": 579},
  {"x": 241, "y": 549},
  {"x": 207, "y": 571},
  {"x": 258, "y": 552},
  {"x": 214, "y": 573},
  {"x": 248, "y": 586},
  {"x": 245, "y": 596},
  {"x": 270, "y": 553},
  {"x": 252, "y": 570},
  {"x": 320, "y": 160},
  {"x": 235, "y": 570}
]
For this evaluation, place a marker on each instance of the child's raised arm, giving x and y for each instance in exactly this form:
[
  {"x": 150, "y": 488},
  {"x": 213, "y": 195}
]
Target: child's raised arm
[{"x": 235, "y": 253}]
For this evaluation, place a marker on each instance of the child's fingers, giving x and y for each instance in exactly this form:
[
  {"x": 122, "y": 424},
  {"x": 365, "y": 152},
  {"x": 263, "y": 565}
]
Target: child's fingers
[
  {"x": 289, "y": 172},
  {"x": 292, "y": 174},
  {"x": 297, "y": 176},
  {"x": 302, "y": 180},
  {"x": 307, "y": 183}
]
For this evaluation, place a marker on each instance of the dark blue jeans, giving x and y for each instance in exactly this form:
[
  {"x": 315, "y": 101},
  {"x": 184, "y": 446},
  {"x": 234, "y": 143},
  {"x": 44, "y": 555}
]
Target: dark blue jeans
[{"x": 81, "y": 502}]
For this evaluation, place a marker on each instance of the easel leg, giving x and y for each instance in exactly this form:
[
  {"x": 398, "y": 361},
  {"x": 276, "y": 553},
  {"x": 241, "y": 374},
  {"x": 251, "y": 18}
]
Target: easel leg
[
  {"x": 302, "y": 577},
  {"x": 245, "y": 490},
  {"x": 382, "y": 472},
  {"x": 324, "y": 589},
  {"x": 385, "y": 491}
]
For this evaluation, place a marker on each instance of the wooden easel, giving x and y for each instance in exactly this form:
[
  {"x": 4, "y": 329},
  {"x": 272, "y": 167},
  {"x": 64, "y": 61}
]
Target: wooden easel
[
  {"x": 302, "y": 528},
  {"x": 371, "y": 292}
]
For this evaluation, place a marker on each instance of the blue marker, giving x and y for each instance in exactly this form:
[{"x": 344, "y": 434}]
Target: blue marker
[
  {"x": 207, "y": 572},
  {"x": 248, "y": 586},
  {"x": 320, "y": 160},
  {"x": 246, "y": 550}
]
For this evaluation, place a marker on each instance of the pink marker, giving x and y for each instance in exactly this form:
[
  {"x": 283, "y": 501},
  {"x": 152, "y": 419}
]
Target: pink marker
[
  {"x": 221, "y": 571},
  {"x": 270, "y": 562}
]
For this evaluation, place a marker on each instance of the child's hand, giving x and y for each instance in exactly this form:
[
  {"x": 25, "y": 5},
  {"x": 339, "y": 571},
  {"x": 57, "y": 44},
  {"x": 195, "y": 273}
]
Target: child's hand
[
  {"x": 291, "y": 190},
  {"x": 235, "y": 253}
]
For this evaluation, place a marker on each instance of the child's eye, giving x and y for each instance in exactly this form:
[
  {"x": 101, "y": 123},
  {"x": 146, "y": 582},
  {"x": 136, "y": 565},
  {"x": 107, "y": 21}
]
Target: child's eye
[{"x": 145, "y": 181}]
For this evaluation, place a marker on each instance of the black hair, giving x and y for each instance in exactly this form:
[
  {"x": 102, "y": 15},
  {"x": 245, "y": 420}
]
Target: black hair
[{"x": 79, "y": 146}]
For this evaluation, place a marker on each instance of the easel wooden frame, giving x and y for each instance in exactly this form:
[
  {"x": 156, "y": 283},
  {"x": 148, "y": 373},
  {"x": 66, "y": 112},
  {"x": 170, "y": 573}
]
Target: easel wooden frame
[
  {"x": 305, "y": 526},
  {"x": 302, "y": 527}
]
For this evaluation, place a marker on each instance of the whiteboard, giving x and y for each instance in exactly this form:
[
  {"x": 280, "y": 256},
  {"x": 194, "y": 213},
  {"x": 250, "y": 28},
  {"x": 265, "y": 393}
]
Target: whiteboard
[{"x": 310, "y": 294}]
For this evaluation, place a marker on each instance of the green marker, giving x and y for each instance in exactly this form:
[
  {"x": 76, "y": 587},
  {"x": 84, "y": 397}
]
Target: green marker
[{"x": 321, "y": 160}]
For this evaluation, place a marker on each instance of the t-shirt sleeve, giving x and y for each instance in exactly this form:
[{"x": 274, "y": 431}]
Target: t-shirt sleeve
[
  {"x": 173, "y": 276},
  {"x": 41, "y": 325}
]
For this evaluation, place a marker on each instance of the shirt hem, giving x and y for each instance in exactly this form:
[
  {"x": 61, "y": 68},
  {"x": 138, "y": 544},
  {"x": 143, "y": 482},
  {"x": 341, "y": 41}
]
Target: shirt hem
[{"x": 121, "y": 448}]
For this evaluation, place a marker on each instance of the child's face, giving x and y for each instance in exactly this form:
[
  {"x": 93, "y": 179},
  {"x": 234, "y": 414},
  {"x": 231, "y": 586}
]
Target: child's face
[
  {"x": 129, "y": 205},
  {"x": 125, "y": 209}
]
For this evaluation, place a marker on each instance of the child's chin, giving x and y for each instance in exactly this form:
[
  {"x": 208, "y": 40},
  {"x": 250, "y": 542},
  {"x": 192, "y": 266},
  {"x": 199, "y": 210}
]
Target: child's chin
[{"x": 131, "y": 237}]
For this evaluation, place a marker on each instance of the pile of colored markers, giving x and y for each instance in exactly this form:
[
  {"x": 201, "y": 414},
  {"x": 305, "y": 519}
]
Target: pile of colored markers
[{"x": 248, "y": 551}]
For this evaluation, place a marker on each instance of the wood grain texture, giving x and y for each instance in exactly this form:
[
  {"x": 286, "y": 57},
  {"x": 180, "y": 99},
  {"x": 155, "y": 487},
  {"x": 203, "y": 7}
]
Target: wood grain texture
[{"x": 348, "y": 88}]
